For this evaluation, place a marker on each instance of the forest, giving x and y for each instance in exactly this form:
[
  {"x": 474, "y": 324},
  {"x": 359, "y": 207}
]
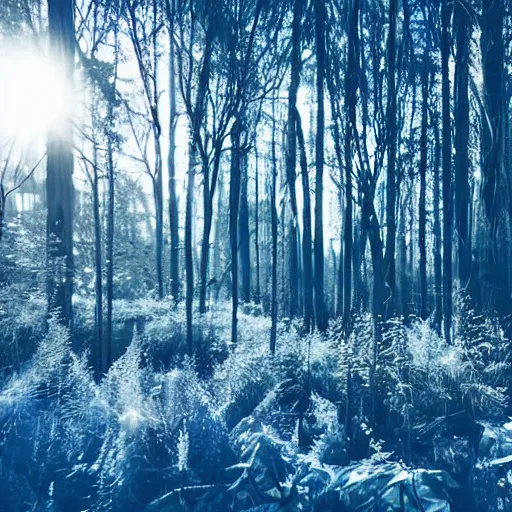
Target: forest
[{"x": 255, "y": 255}]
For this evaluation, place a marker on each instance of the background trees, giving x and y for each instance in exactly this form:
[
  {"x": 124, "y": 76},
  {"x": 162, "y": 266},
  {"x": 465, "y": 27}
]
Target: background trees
[
  {"x": 295, "y": 99},
  {"x": 324, "y": 279}
]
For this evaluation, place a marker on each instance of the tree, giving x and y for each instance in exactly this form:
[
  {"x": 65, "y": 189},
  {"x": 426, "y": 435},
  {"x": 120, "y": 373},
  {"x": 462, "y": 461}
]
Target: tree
[
  {"x": 145, "y": 45},
  {"x": 59, "y": 173},
  {"x": 350, "y": 134},
  {"x": 391, "y": 182},
  {"x": 273, "y": 214},
  {"x": 320, "y": 309},
  {"x": 463, "y": 27},
  {"x": 171, "y": 160},
  {"x": 497, "y": 292},
  {"x": 422, "y": 218},
  {"x": 447, "y": 170},
  {"x": 307, "y": 256},
  {"x": 291, "y": 154},
  {"x": 234, "y": 204}
]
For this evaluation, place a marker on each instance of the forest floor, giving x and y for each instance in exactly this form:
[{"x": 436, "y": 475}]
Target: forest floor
[{"x": 320, "y": 426}]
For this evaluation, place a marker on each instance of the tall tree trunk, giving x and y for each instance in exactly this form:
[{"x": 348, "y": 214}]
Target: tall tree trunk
[
  {"x": 391, "y": 181},
  {"x": 339, "y": 277},
  {"x": 159, "y": 213},
  {"x": 447, "y": 171},
  {"x": 463, "y": 28},
  {"x": 171, "y": 163},
  {"x": 404, "y": 288},
  {"x": 350, "y": 134},
  {"x": 320, "y": 309},
  {"x": 257, "y": 294},
  {"x": 107, "y": 348},
  {"x": 220, "y": 232},
  {"x": 189, "y": 257},
  {"x": 438, "y": 296},
  {"x": 234, "y": 204},
  {"x": 307, "y": 256},
  {"x": 59, "y": 173},
  {"x": 422, "y": 218},
  {"x": 158, "y": 178},
  {"x": 291, "y": 156},
  {"x": 243, "y": 233},
  {"x": 205, "y": 244},
  {"x": 273, "y": 214},
  {"x": 98, "y": 310},
  {"x": 497, "y": 294}
]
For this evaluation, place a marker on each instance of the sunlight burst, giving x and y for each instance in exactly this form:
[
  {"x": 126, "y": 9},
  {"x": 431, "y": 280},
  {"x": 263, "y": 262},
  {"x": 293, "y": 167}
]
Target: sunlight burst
[{"x": 34, "y": 97}]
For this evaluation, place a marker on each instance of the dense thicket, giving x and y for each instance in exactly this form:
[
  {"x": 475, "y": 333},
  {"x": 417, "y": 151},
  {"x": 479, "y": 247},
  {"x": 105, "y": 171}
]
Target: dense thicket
[{"x": 336, "y": 230}]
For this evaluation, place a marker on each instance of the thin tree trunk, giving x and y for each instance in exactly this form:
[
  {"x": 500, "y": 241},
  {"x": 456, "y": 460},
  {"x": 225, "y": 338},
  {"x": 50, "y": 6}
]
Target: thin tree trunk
[
  {"x": 189, "y": 260},
  {"x": 159, "y": 212},
  {"x": 107, "y": 351},
  {"x": 273, "y": 213},
  {"x": 234, "y": 204},
  {"x": 257, "y": 294},
  {"x": 205, "y": 244},
  {"x": 307, "y": 256},
  {"x": 320, "y": 309},
  {"x": 463, "y": 36},
  {"x": 447, "y": 171},
  {"x": 391, "y": 182},
  {"x": 339, "y": 277},
  {"x": 107, "y": 346},
  {"x": 422, "y": 218},
  {"x": 291, "y": 156},
  {"x": 99, "y": 366},
  {"x": 438, "y": 297},
  {"x": 244, "y": 236},
  {"x": 350, "y": 133},
  {"x": 171, "y": 163}
]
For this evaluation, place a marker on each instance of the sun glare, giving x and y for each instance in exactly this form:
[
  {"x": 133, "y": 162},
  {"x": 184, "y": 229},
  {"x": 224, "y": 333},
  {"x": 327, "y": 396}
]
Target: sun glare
[{"x": 33, "y": 95}]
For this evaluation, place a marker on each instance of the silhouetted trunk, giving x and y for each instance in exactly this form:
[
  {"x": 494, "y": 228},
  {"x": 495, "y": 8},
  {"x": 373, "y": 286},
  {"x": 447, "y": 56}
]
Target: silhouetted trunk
[
  {"x": 422, "y": 219},
  {"x": 463, "y": 28},
  {"x": 243, "y": 233},
  {"x": 107, "y": 348},
  {"x": 307, "y": 256},
  {"x": 291, "y": 157},
  {"x": 234, "y": 204},
  {"x": 273, "y": 214},
  {"x": 447, "y": 171},
  {"x": 496, "y": 293},
  {"x": 158, "y": 187},
  {"x": 171, "y": 163},
  {"x": 59, "y": 173},
  {"x": 371, "y": 222},
  {"x": 208, "y": 193},
  {"x": 189, "y": 261},
  {"x": 404, "y": 284},
  {"x": 321, "y": 312},
  {"x": 159, "y": 214},
  {"x": 257, "y": 294},
  {"x": 221, "y": 231},
  {"x": 438, "y": 296},
  {"x": 391, "y": 182},
  {"x": 350, "y": 134},
  {"x": 98, "y": 309},
  {"x": 205, "y": 243}
]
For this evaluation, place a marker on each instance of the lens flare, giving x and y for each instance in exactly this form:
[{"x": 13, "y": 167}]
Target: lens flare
[{"x": 34, "y": 96}]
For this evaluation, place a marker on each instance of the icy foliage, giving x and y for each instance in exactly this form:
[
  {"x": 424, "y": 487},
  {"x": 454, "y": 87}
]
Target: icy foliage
[{"x": 236, "y": 429}]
